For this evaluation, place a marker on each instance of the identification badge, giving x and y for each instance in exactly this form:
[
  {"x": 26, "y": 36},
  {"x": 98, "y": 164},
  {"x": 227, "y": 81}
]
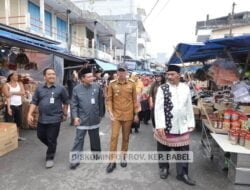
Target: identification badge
[
  {"x": 52, "y": 100},
  {"x": 92, "y": 100}
]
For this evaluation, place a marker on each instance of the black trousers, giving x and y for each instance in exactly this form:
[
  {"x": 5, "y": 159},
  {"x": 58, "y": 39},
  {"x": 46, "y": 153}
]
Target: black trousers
[
  {"x": 153, "y": 117},
  {"x": 95, "y": 143},
  {"x": 144, "y": 116},
  {"x": 135, "y": 125},
  {"x": 16, "y": 115},
  {"x": 181, "y": 168},
  {"x": 48, "y": 133}
]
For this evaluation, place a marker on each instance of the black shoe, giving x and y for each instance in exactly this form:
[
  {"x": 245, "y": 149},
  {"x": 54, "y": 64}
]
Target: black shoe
[
  {"x": 73, "y": 166},
  {"x": 124, "y": 163},
  {"x": 164, "y": 173},
  {"x": 136, "y": 131},
  {"x": 225, "y": 169},
  {"x": 186, "y": 179},
  {"x": 110, "y": 167}
]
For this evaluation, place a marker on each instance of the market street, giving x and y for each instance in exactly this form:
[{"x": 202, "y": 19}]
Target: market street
[{"x": 24, "y": 167}]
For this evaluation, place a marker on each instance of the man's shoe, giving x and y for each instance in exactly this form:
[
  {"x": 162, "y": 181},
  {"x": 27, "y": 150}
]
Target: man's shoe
[
  {"x": 186, "y": 179},
  {"x": 124, "y": 163},
  {"x": 164, "y": 173},
  {"x": 136, "y": 131},
  {"x": 49, "y": 164},
  {"x": 110, "y": 167},
  {"x": 73, "y": 166}
]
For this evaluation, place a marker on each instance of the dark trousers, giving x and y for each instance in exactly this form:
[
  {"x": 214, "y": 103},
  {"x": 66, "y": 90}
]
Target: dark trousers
[
  {"x": 95, "y": 143},
  {"x": 144, "y": 116},
  {"x": 16, "y": 115},
  {"x": 153, "y": 117},
  {"x": 135, "y": 125},
  {"x": 48, "y": 133},
  {"x": 181, "y": 168}
]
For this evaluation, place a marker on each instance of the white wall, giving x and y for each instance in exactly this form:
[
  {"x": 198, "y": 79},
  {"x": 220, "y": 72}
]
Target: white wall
[
  {"x": 16, "y": 12},
  {"x": 109, "y": 7},
  {"x": 241, "y": 30}
]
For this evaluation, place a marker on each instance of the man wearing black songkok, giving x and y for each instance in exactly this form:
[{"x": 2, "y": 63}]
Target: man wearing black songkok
[
  {"x": 87, "y": 111},
  {"x": 174, "y": 121}
]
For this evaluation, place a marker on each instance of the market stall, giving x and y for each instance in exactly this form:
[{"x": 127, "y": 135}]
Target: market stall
[
  {"x": 224, "y": 110},
  {"x": 28, "y": 55}
]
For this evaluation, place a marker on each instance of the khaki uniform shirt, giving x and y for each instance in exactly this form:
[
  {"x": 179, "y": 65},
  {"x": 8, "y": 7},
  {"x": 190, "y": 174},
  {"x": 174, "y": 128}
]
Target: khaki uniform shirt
[{"x": 122, "y": 100}]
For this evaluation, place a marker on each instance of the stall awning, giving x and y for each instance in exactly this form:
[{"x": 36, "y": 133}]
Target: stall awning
[
  {"x": 238, "y": 47},
  {"x": 24, "y": 33},
  {"x": 14, "y": 39},
  {"x": 105, "y": 65},
  {"x": 143, "y": 72},
  {"x": 184, "y": 50}
]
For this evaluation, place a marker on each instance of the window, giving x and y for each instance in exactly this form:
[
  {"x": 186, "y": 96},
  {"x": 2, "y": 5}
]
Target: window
[
  {"x": 48, "y": 23},
  {"x": 34, "y": 11},
  {"x": 61, "y": 29},
  {"x": 90, "y": 36}
]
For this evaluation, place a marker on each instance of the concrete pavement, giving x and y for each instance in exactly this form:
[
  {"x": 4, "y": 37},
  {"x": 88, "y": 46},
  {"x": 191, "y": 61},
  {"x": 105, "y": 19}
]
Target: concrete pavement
[{"x": 24, "y": 169}]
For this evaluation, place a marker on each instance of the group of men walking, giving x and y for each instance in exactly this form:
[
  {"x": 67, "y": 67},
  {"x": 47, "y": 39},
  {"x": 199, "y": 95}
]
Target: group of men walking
[{"x": 173, "y": 115}]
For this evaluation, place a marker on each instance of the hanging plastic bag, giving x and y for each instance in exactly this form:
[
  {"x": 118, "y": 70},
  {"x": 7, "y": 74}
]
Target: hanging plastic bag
[{"x": 241, "y": 92}]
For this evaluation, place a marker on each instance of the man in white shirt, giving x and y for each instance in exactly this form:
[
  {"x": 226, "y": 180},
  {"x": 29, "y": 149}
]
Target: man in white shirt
[{"x": 174, "y": 121}]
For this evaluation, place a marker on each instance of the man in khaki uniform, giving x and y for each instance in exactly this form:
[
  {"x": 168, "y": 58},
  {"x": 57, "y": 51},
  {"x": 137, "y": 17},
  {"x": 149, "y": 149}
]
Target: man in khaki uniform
[{"x": 123, "y": 110}]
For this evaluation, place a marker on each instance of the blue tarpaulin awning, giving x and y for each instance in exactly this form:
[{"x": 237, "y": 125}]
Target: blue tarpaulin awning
[
  {"x": 184, "y": 50},
  {"x": 23, "y": 41},
  {"x": 106, "y": 66},
  {"x": 238, "y": 47},
  {"x": 142, "y": 72}
]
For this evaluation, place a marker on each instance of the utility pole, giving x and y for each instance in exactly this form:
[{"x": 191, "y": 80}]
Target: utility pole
[
  {"x": 231, "y": 20},
  {"x": 68, "y": 30},
  {"x": 125, "y": 46},
  {"x": 96, "y": 45}
]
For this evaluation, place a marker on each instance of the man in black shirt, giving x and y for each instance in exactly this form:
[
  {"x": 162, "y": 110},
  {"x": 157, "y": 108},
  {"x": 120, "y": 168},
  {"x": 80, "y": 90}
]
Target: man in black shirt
[{"x": 52, "y": 101}]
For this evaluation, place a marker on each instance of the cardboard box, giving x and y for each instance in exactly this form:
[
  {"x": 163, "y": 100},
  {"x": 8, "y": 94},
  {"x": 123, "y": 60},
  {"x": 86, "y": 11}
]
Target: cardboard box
[
  {"x": 7, "y": 128},
  {"x": 209, "y": 110},
  {"x": 208, "y": 106},
  {"x": 8, "y": 138},
  {"x": 222, "y": 106},
  {"x": 25, "y": 109},
  {"x": 245, "y": 109}
]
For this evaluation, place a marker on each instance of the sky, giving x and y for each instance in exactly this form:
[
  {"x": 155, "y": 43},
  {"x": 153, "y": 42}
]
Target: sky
[{"x": 176, "y": 22}]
